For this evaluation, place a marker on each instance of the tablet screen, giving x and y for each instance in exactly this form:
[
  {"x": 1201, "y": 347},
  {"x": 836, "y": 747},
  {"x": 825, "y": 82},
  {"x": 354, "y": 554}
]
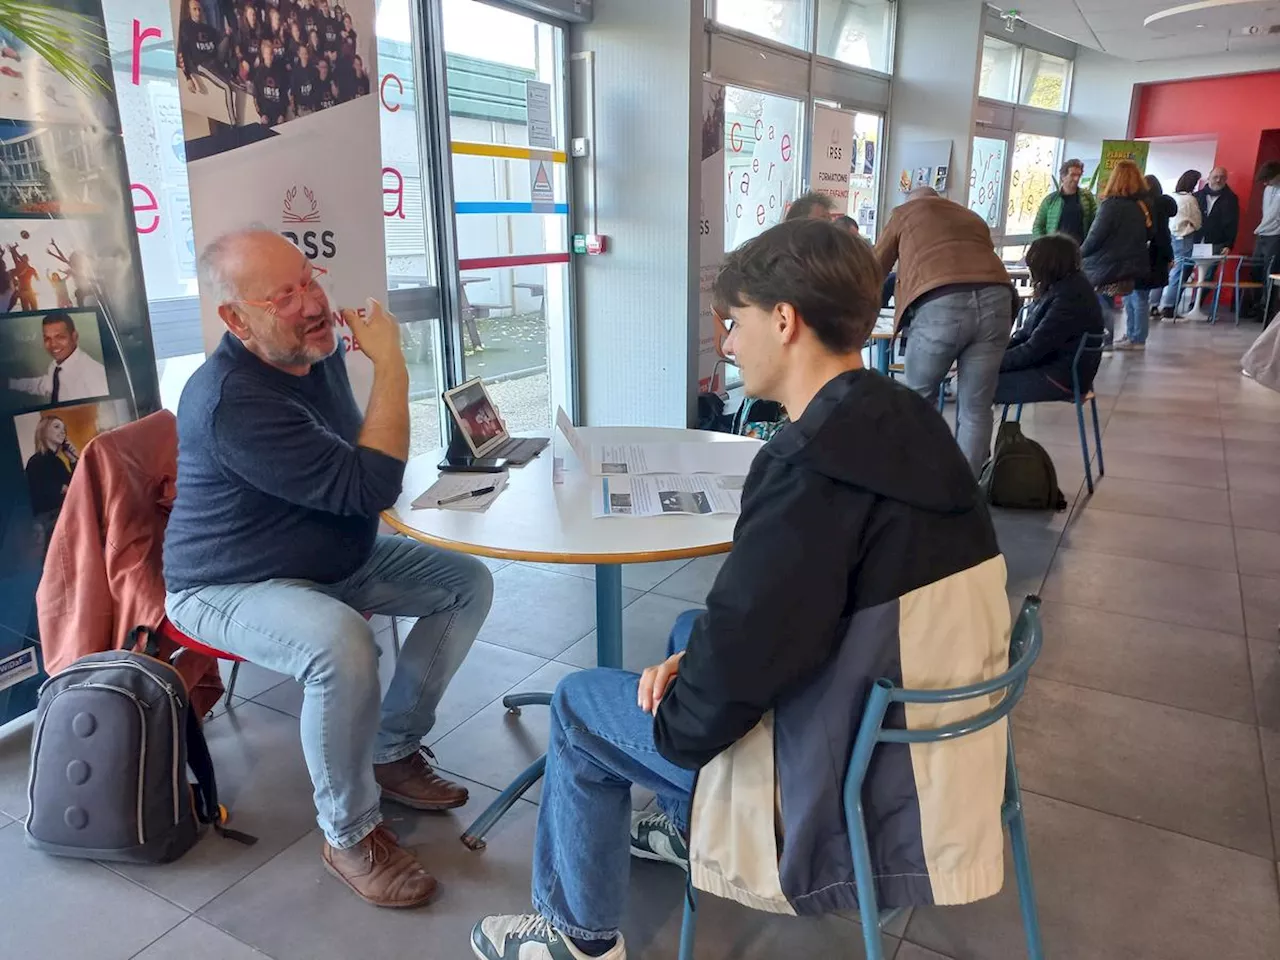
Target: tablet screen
[{"x": 476, "y": 414}]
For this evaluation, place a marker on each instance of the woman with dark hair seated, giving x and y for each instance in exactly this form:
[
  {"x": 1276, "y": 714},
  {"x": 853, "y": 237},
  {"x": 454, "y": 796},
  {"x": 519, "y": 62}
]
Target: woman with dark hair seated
[{"x": 1037, "y": 365}]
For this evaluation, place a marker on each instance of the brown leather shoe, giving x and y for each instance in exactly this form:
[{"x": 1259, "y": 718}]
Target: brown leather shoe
[
  {"x": 380, "y": 871},
  {"x": 414, "y": 783}
]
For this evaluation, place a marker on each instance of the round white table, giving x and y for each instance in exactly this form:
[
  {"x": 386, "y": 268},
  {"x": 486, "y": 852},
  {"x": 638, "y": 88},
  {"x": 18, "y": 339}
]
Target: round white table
[
  {"x": 535, "y": 519},
  {"x": 1202, "y": 267}
]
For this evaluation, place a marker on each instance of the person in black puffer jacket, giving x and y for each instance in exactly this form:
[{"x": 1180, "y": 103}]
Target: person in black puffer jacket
[
  {"x": 1139, "y": 306},
  {"x": 1115, "y": 251},
  {"x": 1037, "y": 364}
]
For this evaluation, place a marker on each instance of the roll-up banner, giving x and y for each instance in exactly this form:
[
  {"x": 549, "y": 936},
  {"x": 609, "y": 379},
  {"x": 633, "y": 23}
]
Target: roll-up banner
[
  {"x": 711, "y": 236},
  {"x": 75, "y": 341},
  {"x": 281, "y": 127}
]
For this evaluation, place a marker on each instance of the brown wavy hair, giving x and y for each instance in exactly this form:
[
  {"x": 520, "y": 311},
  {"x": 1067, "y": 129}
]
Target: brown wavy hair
[{"x": 1126, "y": 181}]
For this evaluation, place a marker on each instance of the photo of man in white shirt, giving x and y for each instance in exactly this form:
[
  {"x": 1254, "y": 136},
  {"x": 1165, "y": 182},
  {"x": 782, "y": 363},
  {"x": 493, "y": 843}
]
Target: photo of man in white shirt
[{"x": 72, "y": 373}]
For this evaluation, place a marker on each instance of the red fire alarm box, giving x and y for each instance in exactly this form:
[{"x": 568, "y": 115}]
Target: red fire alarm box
[{"x": 596, "y": 244}]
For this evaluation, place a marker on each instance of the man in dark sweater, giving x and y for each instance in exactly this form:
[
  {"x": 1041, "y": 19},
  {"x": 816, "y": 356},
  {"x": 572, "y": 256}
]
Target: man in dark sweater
[
  {"x": 272, "y": 551},
  {"x": 863, "y": 551},
  {"x": 1219, "y": 212}
]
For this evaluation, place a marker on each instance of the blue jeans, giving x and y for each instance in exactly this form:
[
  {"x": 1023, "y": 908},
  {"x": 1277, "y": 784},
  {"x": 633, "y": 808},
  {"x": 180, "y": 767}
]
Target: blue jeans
[
  {"x": 601, "y": 743},
  {"x": 1137, "y": 311},
  {"x": 1181, "y": 251},
  {"x": 971, "y": 329},
  {"x": 317, "y": 634}
]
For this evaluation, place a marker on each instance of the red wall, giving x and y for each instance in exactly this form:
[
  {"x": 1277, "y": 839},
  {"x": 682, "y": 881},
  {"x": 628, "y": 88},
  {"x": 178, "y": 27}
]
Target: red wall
[{"x": 1234, "y": 109}]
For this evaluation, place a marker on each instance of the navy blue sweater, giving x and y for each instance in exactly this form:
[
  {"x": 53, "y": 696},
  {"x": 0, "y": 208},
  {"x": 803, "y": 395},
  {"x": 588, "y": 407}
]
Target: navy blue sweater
[{"x": 270, "y": 480}]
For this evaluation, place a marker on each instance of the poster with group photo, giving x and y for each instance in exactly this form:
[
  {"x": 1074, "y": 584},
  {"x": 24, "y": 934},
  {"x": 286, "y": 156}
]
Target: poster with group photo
[
  {"x": 250, "y": 69},
  {"x": 75, "y": 342},
  {"x": 282, "y": 131}
]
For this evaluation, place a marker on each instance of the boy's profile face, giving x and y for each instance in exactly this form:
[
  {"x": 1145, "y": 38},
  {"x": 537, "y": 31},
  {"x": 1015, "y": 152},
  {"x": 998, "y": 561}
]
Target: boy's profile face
[{"x": 755, "y": 341}]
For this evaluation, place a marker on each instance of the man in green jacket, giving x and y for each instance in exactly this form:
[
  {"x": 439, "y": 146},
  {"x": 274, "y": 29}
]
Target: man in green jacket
[{"x": 1069, "y": 209}]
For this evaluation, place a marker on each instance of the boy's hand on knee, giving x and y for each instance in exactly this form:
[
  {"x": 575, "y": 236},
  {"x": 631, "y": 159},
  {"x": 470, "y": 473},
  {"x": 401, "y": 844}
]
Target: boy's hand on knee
[{"x": 655, "y": 681}]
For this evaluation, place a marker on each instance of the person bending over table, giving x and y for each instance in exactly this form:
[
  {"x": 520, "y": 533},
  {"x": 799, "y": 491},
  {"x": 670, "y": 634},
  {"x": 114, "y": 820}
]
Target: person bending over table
[
  {"x": 863, "y": 550},
  {"x": 1037, "y": 365},
  {"x": 272, "y": 552}
]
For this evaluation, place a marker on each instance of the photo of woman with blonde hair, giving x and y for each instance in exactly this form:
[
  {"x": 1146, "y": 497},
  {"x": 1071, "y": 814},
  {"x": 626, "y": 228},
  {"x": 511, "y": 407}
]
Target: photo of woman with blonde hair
[{"x": 49, "y": 472}]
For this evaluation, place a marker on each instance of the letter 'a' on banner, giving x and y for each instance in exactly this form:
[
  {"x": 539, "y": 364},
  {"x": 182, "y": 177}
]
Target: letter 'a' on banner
[
  {"x": 76, "y": 357},
  {"x": 282, "y": 132}
]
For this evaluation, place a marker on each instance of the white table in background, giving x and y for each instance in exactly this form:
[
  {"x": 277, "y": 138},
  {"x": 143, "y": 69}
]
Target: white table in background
[
  {"x": 1202, "y": 267},
  {"x": 537, "y": 520}
]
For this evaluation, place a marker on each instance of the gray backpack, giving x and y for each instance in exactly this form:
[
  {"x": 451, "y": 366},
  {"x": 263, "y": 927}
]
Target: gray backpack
[{"x": 114, "y": 736}]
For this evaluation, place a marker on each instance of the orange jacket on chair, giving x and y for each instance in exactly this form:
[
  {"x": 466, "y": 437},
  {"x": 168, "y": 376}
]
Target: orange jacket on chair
[{"x": 103, "y": 574}]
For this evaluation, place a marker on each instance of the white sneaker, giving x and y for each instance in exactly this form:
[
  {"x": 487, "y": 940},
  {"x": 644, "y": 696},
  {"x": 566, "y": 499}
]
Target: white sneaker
[
  {"x": 1129, "y": 345},
  {"x": 655, "y": 837},
  {"x": 530, "y": 937}
]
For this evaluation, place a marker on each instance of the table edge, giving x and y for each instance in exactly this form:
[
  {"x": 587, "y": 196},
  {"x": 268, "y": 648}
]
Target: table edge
[{"x": 533, "y": 556}]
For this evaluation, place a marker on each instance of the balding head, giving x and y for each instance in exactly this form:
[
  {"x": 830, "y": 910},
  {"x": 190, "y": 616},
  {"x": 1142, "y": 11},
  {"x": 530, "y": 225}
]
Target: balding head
[
  {"x": 921, "y": 192},
  {"x": 268, "y": 295}
]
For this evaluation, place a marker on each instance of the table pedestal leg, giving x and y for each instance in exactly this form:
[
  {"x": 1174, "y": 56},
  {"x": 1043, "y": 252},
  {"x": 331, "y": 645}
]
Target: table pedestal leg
[
  {"x": 609, "y": 615},
  {"x": 608, "y": 653}
]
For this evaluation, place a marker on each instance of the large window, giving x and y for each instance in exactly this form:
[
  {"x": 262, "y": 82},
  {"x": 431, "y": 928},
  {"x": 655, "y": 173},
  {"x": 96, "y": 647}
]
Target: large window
[
  {"x": 999, "y": 73},
  {"x": 1023, "y": 75},
  {"x": 1044, "y": 80},
  {"x": 784, "y": 21},
  {"x": 762, "y": 135},
  {"x": 857, "y": 32},
  {"x": 506, "y": 95}
]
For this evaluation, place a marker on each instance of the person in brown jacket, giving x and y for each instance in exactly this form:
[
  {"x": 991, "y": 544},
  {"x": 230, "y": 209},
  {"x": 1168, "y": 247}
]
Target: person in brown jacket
[{"x": 955, "y": 297}]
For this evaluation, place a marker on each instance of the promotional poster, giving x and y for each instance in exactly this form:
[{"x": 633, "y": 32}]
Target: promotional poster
[
  {"x": 711, "y": 237},
  {"x": 830, "y": 160},
  {"x": 76, "y": 357},
  {"x": 282, "y": 132},
  {"x": 1113, "y": 151}
]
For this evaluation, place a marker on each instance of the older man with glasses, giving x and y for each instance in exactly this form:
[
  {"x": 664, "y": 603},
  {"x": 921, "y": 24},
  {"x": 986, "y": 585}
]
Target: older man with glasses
[{"x": 272, "y": 551}]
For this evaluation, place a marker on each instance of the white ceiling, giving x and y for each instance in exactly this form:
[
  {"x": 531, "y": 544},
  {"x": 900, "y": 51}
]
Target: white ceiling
[{"x": 1117, "y": 26}]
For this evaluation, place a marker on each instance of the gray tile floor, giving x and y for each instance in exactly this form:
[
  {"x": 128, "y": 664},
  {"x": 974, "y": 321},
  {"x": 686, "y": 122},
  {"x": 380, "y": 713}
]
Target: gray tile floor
[{"x": 1149, "y": 739}]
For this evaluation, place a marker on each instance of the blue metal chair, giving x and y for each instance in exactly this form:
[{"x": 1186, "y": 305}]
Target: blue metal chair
[
  {"x": 1260, "y": 281},
  {"x": 1186, "y": 268},
  {"x": 1089, "y": 343},
  {"x": 1024, "y": 648}
]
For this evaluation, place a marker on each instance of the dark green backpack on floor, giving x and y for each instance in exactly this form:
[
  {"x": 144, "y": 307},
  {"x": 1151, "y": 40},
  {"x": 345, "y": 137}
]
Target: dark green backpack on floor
[{"x": 1020, "y": 474}]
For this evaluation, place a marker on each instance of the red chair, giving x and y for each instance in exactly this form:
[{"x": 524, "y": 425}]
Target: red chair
[{"x": 176, "y": 636}]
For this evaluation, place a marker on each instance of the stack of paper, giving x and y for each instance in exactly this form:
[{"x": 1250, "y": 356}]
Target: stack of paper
[
  {"x": 663, "y": 495},
  {"x": 462, "y": 491}
]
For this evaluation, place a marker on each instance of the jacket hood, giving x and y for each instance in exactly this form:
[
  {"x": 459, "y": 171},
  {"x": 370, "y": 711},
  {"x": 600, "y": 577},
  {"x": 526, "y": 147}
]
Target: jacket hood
[{"x": 864, "y": 430}]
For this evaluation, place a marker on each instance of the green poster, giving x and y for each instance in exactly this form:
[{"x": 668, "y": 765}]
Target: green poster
[{"x": 1113, "y": 151}]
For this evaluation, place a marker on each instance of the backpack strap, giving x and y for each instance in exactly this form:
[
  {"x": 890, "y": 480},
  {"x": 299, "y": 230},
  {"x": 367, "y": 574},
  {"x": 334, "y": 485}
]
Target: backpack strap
[
  {"x": 144, "y": 640},
  {"x": 205, "y": 789}
]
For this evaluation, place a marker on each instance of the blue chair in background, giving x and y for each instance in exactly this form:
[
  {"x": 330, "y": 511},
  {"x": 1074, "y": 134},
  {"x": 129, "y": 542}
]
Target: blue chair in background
[
  {"x": 1089, "y": 343},
  {"x": 1258, "y": 279},
  {"x": 1024, "y": 648}
]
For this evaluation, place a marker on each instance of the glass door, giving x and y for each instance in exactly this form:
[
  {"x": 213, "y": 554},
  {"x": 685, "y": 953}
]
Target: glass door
[
  {"x": 506, "y": 88},
  {"x": 987, "y": 180},
  {"x": 864, "y": 177}
]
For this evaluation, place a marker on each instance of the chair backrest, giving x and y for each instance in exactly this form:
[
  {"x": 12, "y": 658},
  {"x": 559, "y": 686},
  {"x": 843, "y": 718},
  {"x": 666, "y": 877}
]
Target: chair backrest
[
  {"x": 1089, "y": 343},
  {"x": 1024, "y": 648}
]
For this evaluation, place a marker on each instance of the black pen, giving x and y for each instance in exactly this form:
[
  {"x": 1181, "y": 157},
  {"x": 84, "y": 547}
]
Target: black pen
[{"x": 465, "y": 496}]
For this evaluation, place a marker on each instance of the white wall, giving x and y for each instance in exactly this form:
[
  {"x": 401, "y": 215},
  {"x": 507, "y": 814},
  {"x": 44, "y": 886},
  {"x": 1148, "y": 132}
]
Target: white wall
[
  {"x": 1169, "y": 159},
  {"x": 637, "y": 304},
  {"x": 1102, "y": 91},
  {"x": 935, "y": 85}
]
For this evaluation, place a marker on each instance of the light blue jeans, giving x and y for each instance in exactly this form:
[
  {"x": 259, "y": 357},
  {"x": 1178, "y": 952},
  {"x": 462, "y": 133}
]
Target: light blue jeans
[
  {"x": 971, "y": 329},
  {"x": 1181, "y": 251},
  {"x": 601, "y": 743},
  {"x": 1137, "y": 314},
  {"x": 317, "y": 634}
]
